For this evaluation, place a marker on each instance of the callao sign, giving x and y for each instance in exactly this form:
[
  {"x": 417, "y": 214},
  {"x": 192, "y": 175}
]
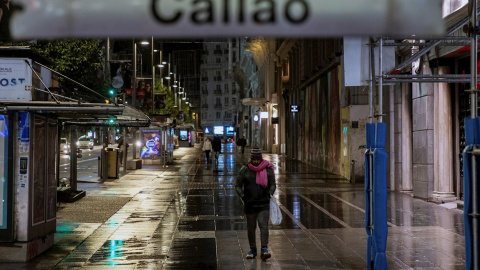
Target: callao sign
[{"x": 217, "y": 18}]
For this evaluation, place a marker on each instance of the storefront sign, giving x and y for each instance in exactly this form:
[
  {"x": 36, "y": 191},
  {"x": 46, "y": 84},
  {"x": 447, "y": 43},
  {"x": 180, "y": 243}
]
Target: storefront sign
[
  {"x": 218, "y": 130},
  {"x": 214, "y": 18},
  {"x": 230, "y": 130},
  {"x": 15, "y": 79},
  {"x": 294, "y": 108}
]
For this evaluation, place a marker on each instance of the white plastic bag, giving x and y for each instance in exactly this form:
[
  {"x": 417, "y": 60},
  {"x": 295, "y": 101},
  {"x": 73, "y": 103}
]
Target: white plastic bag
[{"x": 275, "y": 213}]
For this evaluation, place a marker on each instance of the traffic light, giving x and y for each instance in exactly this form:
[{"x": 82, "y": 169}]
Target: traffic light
[
  {"x": 111, "y": 121},
  {"x": 79, "y": 153},
  {"x": 111, "y": 92}
]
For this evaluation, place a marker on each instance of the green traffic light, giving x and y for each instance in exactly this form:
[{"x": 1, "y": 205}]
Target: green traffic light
[
  {"x": 111, "y": 121},
  {"x": 111, "y": 92}
]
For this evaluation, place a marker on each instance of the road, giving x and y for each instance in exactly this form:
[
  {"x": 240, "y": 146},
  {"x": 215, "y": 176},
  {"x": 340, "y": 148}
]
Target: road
[{"x": 87, "y": 165}]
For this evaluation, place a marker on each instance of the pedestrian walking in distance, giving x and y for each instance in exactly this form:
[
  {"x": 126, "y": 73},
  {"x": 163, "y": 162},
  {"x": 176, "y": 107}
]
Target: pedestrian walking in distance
[
  {"x": 242, "y": 142},
  {"x": 255, "y": 184},
  {"x": 217, "y": 146},
  {"x": 207, "y": 147}
]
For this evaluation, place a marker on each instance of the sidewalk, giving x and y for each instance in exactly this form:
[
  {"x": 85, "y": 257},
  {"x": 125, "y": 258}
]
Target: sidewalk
[{"x": 188, "y": 216}]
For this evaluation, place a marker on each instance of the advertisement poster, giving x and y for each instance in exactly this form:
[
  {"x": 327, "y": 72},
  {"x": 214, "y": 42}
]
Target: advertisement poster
[
  {"x": 151, "y": 143},
  {"x": 15, "y": 79},
  {"x": 183, "y": 135},
  {"x": 3, "y": 171}
]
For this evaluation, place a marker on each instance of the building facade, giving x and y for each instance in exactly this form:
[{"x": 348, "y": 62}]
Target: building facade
[{"x": 219, "y": 91}]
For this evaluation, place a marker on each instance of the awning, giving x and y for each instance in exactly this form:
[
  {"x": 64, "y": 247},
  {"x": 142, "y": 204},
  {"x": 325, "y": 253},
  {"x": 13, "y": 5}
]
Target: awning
[{"x": 83, "y": 114}]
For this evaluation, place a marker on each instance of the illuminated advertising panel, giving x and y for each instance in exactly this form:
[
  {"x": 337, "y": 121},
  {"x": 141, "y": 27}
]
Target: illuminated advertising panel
[
  {"x": 15, "y": 79},
  {"x": 150, "y": 143},
  {"x": 230, "y": 130},
  {"x": 183, "y": 135},
  {"x": 218, "y": 130},
  {"x": 4, "y": 171}
]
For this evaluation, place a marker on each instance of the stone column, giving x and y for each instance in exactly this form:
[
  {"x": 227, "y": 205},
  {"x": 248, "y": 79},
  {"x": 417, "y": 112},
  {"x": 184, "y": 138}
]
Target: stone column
[
  {"x": 391, "y": 136},
  {"x": 406, "y": 184},
  {"x": 423, "y": 138},
  {"x": 443, "y": 142}
]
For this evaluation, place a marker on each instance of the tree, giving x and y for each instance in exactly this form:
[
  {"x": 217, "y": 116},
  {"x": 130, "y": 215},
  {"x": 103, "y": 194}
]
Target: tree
[
  {"x": 169, "y": 101},
  {"x": 79, "y": 60}
]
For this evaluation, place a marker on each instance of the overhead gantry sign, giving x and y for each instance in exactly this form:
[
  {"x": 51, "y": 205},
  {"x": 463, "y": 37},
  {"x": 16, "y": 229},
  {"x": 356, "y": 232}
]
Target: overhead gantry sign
[{"x": 217, "y": 18}]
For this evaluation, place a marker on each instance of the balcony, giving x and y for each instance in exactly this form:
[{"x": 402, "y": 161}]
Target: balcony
[
  {"x": 217, "y": 78},
  {"x": 218, "y": 92},
  {"x": 205, "y": 106},
  {"x": 218, "y": 106},
  {"x": 217, "y": 52},
  {"x": 205, "y": 92},
  {"x": 204, "y": 79}
]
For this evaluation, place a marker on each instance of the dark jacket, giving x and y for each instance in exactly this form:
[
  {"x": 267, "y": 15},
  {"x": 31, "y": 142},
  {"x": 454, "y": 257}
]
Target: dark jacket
[
  {"x": 254, "y": 195},
  {"x": 242, "y": 142},
  {"x": 217, "y": 144}
]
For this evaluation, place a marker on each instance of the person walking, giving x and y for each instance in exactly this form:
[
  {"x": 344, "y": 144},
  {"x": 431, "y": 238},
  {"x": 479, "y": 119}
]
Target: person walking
[
  {"x": 217, "y": 146},
  {"x": 120, "y": 150},
  {"x": 255, "y": 184},
  {"x": 242, "y": 142},
  {"x": 207, "y": 147}
]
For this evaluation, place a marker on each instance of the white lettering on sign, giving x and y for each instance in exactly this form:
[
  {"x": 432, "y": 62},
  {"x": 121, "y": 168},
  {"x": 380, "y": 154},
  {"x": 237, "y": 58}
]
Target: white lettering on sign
[
  {"x": 294, "y": 108},
  {"x": 225, "y": 18}
]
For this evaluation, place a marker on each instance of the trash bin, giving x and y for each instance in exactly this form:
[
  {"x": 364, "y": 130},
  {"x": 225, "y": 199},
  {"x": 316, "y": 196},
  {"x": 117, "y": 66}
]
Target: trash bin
[{"x": 112, "y": 161}]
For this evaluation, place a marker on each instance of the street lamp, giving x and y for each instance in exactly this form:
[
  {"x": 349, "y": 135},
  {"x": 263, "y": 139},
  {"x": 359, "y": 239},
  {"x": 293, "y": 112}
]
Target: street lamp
[{"x": 134, "y": 90}]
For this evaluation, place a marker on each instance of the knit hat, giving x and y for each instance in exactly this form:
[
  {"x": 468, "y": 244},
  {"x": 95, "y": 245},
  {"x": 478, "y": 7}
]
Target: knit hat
[{"x": 256, "y": 153}]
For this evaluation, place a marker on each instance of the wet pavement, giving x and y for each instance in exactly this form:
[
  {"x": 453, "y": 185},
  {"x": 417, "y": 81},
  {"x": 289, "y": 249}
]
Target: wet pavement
[{"x": 188, "y": 216}]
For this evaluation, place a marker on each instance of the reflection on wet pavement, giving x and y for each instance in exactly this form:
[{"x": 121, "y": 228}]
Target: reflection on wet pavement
[{"x": 188, "y": 216}]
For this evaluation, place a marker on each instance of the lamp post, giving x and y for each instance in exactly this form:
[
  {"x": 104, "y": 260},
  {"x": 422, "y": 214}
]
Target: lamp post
[
  {"x": 153, "y": 77},
  {"x": 134, "y": 86}
]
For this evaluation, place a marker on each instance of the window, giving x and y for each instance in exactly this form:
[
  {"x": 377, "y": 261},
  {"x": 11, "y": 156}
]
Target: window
[
  {"x": 219, "y": 88},
  {"x": 226, "y": 73},
  {"x": 218, "y": 101},
  {"x": 226, "y": 101},
  {"x": 234, "y": 101},
  {"x": 219, "y": 115},
  {"x": 226, "y": 88},
  {"x": 219, "y": 61}
]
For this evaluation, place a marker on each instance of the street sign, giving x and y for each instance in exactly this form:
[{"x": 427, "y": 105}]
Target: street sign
[
  {"x": 117, "y": 82},
  {"x": 216, "y": 18}
]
